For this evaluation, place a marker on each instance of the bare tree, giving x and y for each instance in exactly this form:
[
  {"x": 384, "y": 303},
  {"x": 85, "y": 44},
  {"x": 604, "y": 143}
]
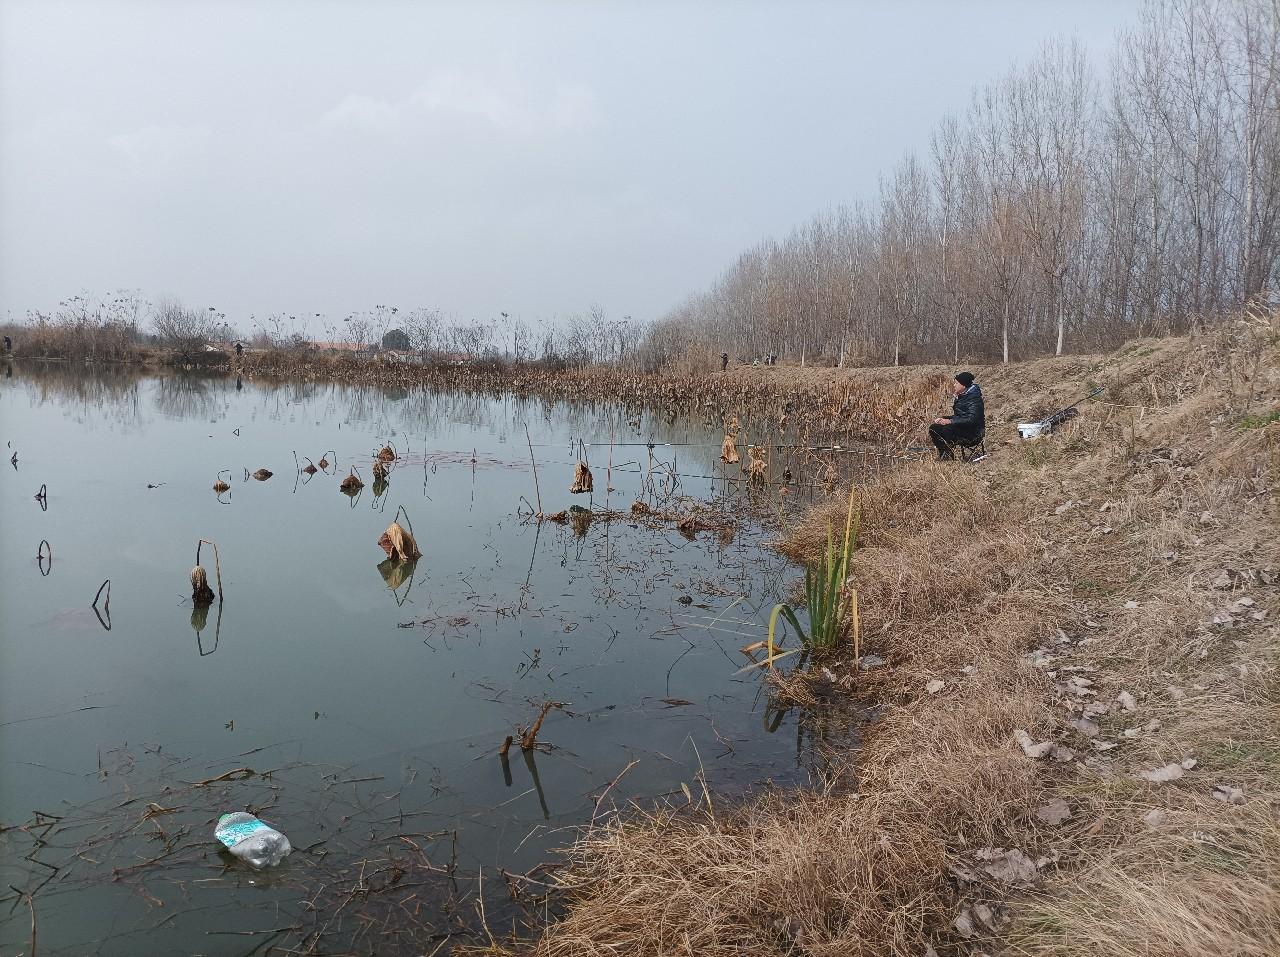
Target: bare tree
[
  {"x": 183, "y": 328},
  {"x": 1061, "y": 212}
]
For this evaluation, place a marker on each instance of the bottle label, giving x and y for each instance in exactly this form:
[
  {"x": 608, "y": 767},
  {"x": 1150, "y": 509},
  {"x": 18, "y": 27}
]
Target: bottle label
[{"x": 233, "y": 834}]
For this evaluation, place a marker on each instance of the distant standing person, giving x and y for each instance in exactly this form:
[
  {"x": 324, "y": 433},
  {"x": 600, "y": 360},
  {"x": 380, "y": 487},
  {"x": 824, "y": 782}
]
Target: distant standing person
[
  {"x": 8, "y": 344},
  {"x": 239, "y": 350},
  {"x": 968, "y": 419},
  {"x": 724, "y": 361}
]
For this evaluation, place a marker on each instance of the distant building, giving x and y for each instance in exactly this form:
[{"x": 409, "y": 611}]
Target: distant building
[{"x": 396, "y": 339}]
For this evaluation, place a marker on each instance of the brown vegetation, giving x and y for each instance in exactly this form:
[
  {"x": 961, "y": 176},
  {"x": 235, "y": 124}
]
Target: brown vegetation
[
  {"x": 201, "y": 593},
  {"x": 1108, "y": 591},
  {"x": 729, "y": 451},
  {"x": 879, "y": 404},
  {"x": 399, "y": 544},
  {"x": 582, "y": 480}
]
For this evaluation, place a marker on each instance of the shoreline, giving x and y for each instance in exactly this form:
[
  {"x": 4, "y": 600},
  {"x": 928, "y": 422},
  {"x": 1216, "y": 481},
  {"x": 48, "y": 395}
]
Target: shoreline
[
  {"x": 1077, "y": 701},
  {"x": 1098, "y": 607}
]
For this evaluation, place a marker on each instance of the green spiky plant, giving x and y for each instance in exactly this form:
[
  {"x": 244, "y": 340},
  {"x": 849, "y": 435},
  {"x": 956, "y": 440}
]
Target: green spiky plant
[{"x": 833, "y": 607}]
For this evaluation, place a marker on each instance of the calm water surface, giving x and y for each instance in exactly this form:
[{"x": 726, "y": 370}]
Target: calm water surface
[{"x": 366, "y": 694}]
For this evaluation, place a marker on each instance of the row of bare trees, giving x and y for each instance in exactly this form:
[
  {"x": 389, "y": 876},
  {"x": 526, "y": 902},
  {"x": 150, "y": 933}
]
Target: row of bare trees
[
  {"x": 578, "y": 339},
  {"x": 1062, "y": 212},
  {"x": 88, "y": 326}
]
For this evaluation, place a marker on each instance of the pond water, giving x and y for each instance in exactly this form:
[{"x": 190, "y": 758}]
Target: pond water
[{"x": 368, "y": 704}]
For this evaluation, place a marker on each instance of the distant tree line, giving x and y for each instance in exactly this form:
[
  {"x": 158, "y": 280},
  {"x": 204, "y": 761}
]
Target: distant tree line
[
  {"x": 1065, "y": 210},
  {"x": 578, "y": 339},
  {"x": 1061, "y": 212},
  {"x": 118, "y": 326}
]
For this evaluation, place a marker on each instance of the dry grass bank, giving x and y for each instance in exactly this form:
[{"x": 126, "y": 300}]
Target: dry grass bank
[{"x": 1110, "y": 592}]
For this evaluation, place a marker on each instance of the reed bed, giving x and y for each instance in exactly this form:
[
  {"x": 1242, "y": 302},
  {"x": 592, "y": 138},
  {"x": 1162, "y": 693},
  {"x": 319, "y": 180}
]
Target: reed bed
[{"x": 886, "y": 405}]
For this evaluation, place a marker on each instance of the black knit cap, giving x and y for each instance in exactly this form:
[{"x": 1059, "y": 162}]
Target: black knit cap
[{"x": 965, "y": 378}]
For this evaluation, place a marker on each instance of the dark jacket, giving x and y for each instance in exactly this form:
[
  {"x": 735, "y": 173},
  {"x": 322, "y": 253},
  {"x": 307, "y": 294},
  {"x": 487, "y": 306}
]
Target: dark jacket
[{"x": 967, "y": 411}]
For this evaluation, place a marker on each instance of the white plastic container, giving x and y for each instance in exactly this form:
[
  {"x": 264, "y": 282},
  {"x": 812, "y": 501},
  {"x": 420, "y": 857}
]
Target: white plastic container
[
  {"x": 255, "y": 842},
  {"x": 1030, "y": 430}
]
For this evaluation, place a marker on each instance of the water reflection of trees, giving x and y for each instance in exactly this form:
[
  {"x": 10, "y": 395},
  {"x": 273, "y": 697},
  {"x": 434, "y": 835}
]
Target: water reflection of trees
[
  {"x": 190, "y": 396},
  {"x": 689, "y": 443},
  {"x": 83, "y": 392}
]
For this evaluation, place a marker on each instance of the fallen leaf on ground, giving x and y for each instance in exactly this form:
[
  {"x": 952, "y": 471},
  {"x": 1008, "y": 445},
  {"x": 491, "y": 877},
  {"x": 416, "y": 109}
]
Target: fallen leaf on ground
[
  {"x": 1010, "y": 866},
  {"x": 1229, "y": 794},
  {"x": 1029, "y": 747},
  {"x": 1085, "y": 727},
  {"x": 985, "y": 914},
  {"x": 1055, "y": 812},
  {"x": 1170, "y": 772}
]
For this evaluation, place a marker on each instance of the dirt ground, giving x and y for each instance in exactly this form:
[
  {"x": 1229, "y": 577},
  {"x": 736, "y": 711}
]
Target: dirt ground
[{"x": 1077, "y": 750}]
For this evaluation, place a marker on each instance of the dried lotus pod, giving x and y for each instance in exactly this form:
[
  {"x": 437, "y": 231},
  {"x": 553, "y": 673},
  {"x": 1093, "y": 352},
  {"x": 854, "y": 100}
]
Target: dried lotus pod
[
  {"x": 729, "y": 451},
  {"x": 399, "y": 544},
  {"x": 581, "y": 479},
  {"x": 201, "y": 593}
]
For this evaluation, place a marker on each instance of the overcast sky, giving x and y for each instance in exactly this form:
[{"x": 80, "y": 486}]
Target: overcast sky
[{"x": 532, "y": 158}]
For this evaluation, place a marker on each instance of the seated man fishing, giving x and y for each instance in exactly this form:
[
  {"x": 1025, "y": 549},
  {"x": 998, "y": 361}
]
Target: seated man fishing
[{"x": 968, "y": 419}]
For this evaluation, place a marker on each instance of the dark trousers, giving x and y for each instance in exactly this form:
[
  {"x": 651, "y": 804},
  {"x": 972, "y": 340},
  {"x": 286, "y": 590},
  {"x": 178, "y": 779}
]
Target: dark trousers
[{"x": 945, "y": 437}]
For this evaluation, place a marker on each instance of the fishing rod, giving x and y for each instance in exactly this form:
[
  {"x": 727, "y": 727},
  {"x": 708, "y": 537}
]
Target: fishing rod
[
  {"x": 715, "y": 445},
  {"x": 1057, "y": 418}
]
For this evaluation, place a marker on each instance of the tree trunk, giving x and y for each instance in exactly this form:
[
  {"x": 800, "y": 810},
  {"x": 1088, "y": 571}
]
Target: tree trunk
[
  {"x": 1062, "y": 323},
  {"x": 1004, "y": 335}
]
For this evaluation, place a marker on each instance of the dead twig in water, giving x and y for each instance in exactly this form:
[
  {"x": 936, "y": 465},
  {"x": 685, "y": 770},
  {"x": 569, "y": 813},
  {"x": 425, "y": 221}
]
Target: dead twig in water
[
  {"x": 44, "y": 557},
  {"x": 534, "y": 462},
  {"x": 630, "y": 764},
  {"x": 106, "y": 608},
  {"x": 238, "y": 774},
  {"x": 529, "y": 739}
]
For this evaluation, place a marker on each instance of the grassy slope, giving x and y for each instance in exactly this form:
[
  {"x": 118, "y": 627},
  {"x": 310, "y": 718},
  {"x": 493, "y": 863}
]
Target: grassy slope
[{"x": 1097, "y": 555}]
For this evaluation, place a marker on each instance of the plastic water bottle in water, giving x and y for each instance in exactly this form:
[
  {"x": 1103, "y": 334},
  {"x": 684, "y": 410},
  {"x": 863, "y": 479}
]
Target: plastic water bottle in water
[{"x": 254, "y": 842}]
